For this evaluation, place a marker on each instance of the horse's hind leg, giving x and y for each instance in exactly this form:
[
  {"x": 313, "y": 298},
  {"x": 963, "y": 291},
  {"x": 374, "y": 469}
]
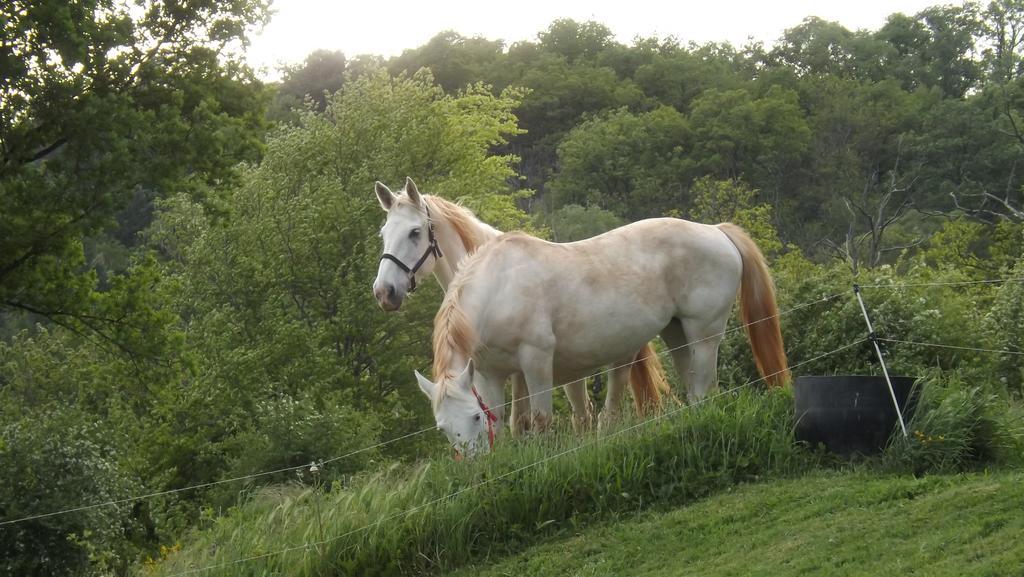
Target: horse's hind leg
[
  {"x": 675, "y": 337},
  {"x": 618, "y": 379},
  {"x": 582, "y": 408},
  {"x": 519, "y": 415},
  {"x": 705, "y": 338}
]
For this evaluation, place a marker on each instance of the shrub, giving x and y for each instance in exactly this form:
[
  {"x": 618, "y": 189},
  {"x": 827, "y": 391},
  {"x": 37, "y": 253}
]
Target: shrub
[
  {"x": 958, "y": 425},
  {"x": 1005, "y": 330},
  {"x": 57, "y": 463}
]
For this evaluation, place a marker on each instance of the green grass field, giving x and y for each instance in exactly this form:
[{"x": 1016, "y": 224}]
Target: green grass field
[{"x": 825, "y": 524}]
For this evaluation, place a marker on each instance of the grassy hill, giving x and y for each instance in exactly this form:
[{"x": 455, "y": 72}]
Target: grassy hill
[
  {"x": 827, "y": 524},
  {"x": 754, "y": 502}
]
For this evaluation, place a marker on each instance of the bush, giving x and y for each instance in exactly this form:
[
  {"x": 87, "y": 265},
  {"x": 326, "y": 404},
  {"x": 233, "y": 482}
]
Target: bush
[
  {"x": 290, "y": 432},
  {"x": 57, "y": 463},
  {"x": 900, "y": 307},
  {"x": 1005, "y": 329},
  {"x": 958, "y": 426}
]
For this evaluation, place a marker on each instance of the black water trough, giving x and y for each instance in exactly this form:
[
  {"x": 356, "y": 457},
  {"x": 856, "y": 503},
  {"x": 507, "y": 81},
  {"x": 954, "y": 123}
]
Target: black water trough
[{"x": 850, "y": 414}]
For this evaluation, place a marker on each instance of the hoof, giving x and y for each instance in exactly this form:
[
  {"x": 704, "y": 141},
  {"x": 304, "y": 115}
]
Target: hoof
[
  {"x": 521, "y": 425},
  {"x": 583, "y": 424},
  {"x": 606, "y": 420},
  {"x": 541, "y": 422}
]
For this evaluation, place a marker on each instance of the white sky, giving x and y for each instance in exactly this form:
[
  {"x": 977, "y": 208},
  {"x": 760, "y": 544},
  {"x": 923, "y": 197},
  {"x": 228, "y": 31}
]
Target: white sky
[{"x": 388, "y": 27}]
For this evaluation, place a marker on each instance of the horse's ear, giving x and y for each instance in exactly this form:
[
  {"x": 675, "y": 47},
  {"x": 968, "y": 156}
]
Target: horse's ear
[
  {"x": 384, "y": 195},
  {"x": 412, "y": 192},
  {"x": 465, "y": 380},
  {"x": 426, "y": 385}
]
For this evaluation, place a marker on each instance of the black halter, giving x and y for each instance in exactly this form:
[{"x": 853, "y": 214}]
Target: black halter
[{"x": 432, "y": 249}]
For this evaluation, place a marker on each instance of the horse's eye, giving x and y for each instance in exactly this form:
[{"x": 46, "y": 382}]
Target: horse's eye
[
  {"x": 477, "y": 418},
  {"x": 415, "y": 233}
]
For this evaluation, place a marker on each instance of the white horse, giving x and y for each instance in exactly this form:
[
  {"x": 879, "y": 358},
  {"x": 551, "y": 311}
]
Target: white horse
[
  {"x": 556, "y": 311},
  {"x": 426, "y": 234}
]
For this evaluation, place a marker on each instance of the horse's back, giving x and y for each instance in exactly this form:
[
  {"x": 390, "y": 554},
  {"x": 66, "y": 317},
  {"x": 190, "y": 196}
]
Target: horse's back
[{"x": 600, "y": 299}]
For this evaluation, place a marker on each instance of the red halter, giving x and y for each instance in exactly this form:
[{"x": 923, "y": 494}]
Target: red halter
[{"x": 491, "y": 417}]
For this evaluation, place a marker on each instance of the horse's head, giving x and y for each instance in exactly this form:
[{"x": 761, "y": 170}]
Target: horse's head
[
  {"x": 460, "y": 413},
  {"x": 410, "y": 249}
]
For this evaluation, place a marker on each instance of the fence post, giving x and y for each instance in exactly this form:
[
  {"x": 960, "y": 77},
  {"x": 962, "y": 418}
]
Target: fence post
[{"x": 878, "y": 351}]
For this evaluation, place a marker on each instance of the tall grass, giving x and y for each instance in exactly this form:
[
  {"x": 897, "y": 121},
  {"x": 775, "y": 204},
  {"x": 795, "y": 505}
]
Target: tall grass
[
  {"x": 960, "y": 424},
  {"x": 441, "y": 514}
]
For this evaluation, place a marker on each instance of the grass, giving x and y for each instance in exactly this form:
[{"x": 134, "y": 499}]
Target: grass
[
  {"x": 401, "y": 520},
  {"x": 825, "y": 524}
]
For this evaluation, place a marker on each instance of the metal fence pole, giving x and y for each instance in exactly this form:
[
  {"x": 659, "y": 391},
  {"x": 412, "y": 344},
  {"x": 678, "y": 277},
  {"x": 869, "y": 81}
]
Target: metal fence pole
[{"x": 878, "y": 351}]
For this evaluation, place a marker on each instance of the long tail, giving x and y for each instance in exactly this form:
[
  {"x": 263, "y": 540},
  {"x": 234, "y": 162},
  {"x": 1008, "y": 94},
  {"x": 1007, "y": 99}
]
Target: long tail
[
  {"x": 758, "y": 309},
  {"x": 647, "y": 377}
]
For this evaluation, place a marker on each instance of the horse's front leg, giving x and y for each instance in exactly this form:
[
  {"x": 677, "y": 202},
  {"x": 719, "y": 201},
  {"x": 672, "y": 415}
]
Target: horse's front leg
[
  {"x": 519, "y": 415},
  {"x": 582, "y": 408},
  {"x": 618, "y": 380},
  {"x": 537, "y": 365}
]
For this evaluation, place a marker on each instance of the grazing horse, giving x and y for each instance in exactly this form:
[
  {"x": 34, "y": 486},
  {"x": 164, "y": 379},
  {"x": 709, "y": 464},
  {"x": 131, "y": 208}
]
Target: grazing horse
[
  {"x": 555, "y": 312},
  {"x": 426, "y": 234}
]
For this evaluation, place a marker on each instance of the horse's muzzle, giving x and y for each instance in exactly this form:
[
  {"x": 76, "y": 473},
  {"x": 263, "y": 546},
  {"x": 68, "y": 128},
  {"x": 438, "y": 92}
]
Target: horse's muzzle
[{"x": 387, "y": 297}]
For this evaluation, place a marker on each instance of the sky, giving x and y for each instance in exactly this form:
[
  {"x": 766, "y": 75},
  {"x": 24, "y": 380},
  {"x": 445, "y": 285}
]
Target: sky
[{"x": 387, "y": 27}]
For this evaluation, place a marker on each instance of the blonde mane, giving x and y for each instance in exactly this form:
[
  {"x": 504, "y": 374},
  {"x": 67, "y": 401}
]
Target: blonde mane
[{"x": 453, "y": 333}]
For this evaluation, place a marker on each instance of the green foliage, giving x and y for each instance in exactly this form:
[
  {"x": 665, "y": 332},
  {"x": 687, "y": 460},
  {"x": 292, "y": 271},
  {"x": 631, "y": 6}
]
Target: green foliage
[
  {"x": 575, "y": 41},
  {"x": 321, "y": 75},
  {"x": 978, "y": 250},
  {"x": 957, "y": 425},
  {"x": 574, "y": 222},
  {"x": 254, "y": 343},
  {"x": 717, "y": 201},
  {"x": 454, "y": 61},
  {"x": 97, "y": 100},
  {"x": 291, "y": 431},
  {"x": 62, "y": 462},
  {"x": 634, "y": 165},
  {"x": 901, "y": 307},
  {"x": 676, "y": 76},
  {"x": 247, "y": 340},
  {"x": 738, "y": 134},
  {"x": 1004, "y": 325}
]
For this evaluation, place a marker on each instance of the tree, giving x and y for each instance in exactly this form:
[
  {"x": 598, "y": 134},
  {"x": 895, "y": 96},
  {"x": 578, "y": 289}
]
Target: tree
[
  {"x": 319, "y": 76},
  {"x": 576, "y": 41},
  {"x": 454, "y": 60},
  {"x": 276, "y": 299},
  {"x": 733, "y": 201},
  {"x": 676, "y": 76},
  {"x": 573, "y": 222},
  {"x": 1003, "y": 28},
  {"x": 760, "y": 139},
  {"x": 634, "y": 165},
  {"x": 818, "y": 47},
  {"x": 864, "y": 165},
  {"x": 99, "y": 99}
]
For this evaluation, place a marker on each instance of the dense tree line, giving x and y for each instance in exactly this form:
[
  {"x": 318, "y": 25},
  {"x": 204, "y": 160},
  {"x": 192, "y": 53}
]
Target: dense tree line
[
  {"x": 844, "y": 133},
  {"x": 186, "y": 253}
]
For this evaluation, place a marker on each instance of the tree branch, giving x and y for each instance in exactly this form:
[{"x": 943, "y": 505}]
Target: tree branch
[{"x": 55, "y": 317}]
